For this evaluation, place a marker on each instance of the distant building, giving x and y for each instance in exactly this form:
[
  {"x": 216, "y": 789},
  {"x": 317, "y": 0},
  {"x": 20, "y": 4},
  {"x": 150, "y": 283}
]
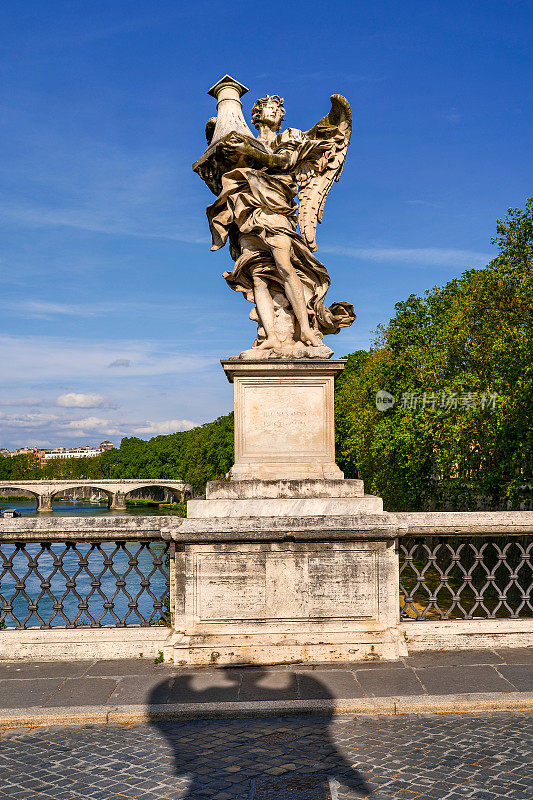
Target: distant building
[
  {"x": 107, "y": 445},
  {"x": 26, "y": 451},
  {"x": 78, "y": 452},
  {"x": 60, "y": 452}
]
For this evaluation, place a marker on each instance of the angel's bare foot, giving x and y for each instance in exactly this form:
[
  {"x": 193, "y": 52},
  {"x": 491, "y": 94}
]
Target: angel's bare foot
[
  {"x": 308, "y": 337},
  {"x": 270, "y": 343}
]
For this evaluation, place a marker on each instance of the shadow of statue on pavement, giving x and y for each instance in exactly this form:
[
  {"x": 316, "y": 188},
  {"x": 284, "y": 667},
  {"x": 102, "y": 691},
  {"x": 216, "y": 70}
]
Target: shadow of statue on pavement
[{"x": 230, "y": 756}]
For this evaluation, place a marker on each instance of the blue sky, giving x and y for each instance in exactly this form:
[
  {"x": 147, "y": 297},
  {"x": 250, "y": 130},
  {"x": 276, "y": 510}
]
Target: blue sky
[{"x": 113, "y": 311}]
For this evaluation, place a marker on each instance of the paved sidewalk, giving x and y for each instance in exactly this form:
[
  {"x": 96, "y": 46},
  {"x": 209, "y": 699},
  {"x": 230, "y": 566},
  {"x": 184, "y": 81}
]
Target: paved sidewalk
[{"x": 140, "y": 690}]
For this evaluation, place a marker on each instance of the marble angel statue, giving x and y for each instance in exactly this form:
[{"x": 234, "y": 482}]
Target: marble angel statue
[{"x": 256, "y": 180}]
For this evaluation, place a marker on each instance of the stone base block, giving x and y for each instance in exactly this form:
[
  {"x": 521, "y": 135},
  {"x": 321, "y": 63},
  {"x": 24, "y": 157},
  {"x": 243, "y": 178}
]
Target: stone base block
[
  {"x": 285, "y": 507},
  {"x": 265, "y": 489},
  {"x": 68, "y": 644},
  {"x": 313, "y": 648},
  {"x": 282, "y": 602},
  {"x": 284, "y": 498},
  {"x": 272, "y": 470}
]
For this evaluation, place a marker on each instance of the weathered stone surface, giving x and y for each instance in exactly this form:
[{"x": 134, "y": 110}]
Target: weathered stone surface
[
  {"x": 284, "y": 415},
  {"x": 274, "y": 602},
  {"x": 463, "y": 522},
  {"x": 261, "y": 489},
  {"x": 285, "y": 507},
  {"x": 84, "y": 528},
  {"x": 466, "y": 634},
  {"x": 279, "y": 528},
  {"x": 69, "y": 644}
]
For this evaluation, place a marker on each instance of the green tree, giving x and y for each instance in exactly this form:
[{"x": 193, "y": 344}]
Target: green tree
[
  {"x": 21, "y": 467},
  {"x": 196, "y": 456},
  {"x": 472, "y": 337}
]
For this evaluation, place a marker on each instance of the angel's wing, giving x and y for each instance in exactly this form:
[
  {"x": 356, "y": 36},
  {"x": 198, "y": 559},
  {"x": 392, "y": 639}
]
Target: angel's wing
[{"x": 316, "y": 171}]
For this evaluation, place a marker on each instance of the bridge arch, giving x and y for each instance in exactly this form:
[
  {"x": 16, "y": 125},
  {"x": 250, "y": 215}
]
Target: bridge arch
[
  {"x": 24, "y": 489},
  {"x": 179, "y": 493},
  {"x": 62, "y": 490}
]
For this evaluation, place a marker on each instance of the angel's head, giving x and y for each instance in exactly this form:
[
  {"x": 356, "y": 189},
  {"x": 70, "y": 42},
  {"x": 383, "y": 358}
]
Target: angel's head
[{"x": 269, "y": 111}]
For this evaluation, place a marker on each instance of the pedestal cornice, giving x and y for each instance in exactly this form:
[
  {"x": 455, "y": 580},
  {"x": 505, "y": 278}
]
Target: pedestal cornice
[{"x": 269, "y": 367}]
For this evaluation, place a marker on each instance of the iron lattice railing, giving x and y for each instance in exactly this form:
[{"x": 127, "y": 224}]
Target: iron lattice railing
[
  {"x": 84, "y": 584},
  {"x": 479, "y": 577}
]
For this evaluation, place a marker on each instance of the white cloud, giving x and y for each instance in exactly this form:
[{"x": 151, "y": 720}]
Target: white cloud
[
  {"x": 27, "y": 420},
  {"x": 20, "y": 401},
  {"x": 99, "y": 220},
  {"x": 87, "y": 422},
  {"x": 414, "y": 256},
  {"x": 41, "y": 308},
  {"x": 166, "y": 426},
  {"x": 111, "y": 428},
  {"x": 79, "y": 400},
  {"x": 90, "y": 424}
]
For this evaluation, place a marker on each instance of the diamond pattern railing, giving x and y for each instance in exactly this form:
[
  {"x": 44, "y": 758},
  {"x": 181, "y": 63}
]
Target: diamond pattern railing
[
  {"x": 84, "y": 584},
  {"x": 479, "y": 577}
]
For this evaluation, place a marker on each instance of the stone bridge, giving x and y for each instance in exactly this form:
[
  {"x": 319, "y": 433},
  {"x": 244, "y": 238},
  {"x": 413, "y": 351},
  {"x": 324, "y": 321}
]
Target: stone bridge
[{"x": 115, "y": 489}]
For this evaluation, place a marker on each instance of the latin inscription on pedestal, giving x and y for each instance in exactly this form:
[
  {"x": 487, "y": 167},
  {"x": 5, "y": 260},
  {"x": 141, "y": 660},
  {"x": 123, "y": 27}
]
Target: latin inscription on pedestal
[
  {"x": 292, "y": 584},
  {"x": 284, "y": 419},
  {"x": 277, "y": 422}
]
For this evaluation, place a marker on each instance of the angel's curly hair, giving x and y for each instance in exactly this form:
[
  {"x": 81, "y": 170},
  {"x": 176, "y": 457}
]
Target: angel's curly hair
[{"x": 258, "y": 105}]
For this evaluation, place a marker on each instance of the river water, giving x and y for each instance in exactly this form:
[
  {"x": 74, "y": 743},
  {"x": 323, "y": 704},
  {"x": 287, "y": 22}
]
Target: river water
[
  {"x": 58, "y": 564},
  {"x": 83, "y": 509}
]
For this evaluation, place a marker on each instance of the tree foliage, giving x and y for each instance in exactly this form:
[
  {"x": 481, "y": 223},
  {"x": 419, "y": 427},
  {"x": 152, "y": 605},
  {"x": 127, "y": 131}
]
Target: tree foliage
[
  {"x": 472, "y": 338},
  {"x": 196, "y": 456}
]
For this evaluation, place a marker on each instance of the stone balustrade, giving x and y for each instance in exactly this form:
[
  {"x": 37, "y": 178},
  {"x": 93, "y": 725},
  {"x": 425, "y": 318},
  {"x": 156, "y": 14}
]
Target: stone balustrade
[{"x": 391, "y": 582}]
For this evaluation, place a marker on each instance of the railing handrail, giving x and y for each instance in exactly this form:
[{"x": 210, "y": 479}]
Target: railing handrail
[
  {"x": 464, "y": 523},
  {"x": 409, "y": 523},
  {"x": 35, "y": 529},
  {"x": 90, "y": 481}
]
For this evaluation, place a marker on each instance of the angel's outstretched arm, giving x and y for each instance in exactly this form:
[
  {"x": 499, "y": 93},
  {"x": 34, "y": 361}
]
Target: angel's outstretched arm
[{"x": 262, "y": 158}]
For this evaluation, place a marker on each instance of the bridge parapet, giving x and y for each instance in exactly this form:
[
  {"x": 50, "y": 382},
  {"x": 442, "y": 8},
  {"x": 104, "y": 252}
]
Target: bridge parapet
[{"x": 455, "y": 580}]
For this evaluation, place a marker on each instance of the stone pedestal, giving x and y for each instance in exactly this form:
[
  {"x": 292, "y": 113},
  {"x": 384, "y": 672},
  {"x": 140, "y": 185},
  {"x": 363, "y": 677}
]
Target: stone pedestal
[
  {"x": 284, "y": 572},
  {"x": 287, "y": 561},
  {"x": 284, "y": 418},
  {"x": 276, "y": 602}
]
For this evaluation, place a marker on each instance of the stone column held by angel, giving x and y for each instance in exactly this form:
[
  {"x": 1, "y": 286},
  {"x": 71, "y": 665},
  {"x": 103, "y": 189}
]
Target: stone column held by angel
[{"x": 256, "y": 180}]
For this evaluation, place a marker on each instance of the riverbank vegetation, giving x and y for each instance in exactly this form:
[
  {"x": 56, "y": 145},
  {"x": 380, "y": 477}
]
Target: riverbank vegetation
[{"x": 459, "y": 365}]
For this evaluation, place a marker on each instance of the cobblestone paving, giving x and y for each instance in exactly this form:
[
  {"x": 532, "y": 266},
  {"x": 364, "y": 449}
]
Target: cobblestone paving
[{"x": 439, "y": 757}]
